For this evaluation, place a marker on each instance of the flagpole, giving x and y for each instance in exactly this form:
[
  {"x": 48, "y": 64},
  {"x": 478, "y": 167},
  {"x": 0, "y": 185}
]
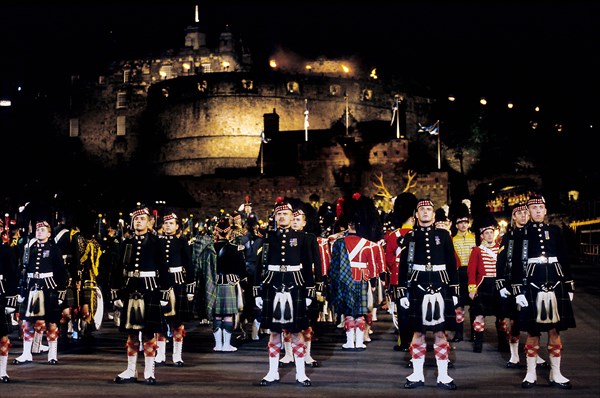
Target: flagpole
[
  {"x": 306, "y": 119},
  {"x": 346, "y": 98},
  {"x": 397, "y": 113},
  {"x": 262, "y": 144},
  {"x": 438, "y": 142}
]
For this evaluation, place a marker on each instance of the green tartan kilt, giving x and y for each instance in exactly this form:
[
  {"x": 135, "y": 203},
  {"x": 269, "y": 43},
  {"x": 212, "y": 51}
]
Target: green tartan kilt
[
  {"x": 226, "y": 301},
  {"x": 360, "y": 290}
]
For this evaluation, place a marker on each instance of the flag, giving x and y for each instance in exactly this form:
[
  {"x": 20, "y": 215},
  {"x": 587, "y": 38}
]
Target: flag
[
  {"x": 394, "y": 110},
  {"x": 264, "y": 139},
  {"x": 434, "y": 129}
]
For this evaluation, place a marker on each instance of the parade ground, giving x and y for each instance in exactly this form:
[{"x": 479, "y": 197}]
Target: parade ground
[{"x": 378, "y": 371}]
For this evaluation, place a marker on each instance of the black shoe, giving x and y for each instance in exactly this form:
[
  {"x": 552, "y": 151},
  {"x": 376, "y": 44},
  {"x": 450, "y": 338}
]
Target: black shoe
[
  {"x": 457, "y": 339},
  {"x": 305, "y": 383},
  {"x": 162, "y": 363},
  {"x": 565, "y": 386},
  {"x": 313, "y": 364},
  {"x": 5, "y": 379},
  {"x": 178, "y": 364},
  {"x": 527, "y": 384},
  {"x": 446, "y": 386},
  {"x": 53, "y": 362},
  {"x": 409, "y": 365},
  {"x": 413, "y": 384},
  {"x": 543, "y": 365},
  {"x": 512, "y": 365},
  {"x": 17, "y": 362},
  {"x": 265, "y": 382},
  {"x": 450, "y": 365},
  {"x": 120, "y": 380},
  {"x": 151, "y": 381}
]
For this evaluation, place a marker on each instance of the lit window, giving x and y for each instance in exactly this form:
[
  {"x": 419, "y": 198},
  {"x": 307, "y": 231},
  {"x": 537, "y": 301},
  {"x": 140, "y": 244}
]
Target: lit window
[
  {"x": 206, "y": 68},
  {"x": 367, "y": 95},
  {"x": 121, "y": 100},
  {"x": 247, "y": 84},
  {"x": 335, "y": 90},
  {"x": 73, "y": 127},
  {"x": 121, "y": 125},
  {"x": 293, "y": 88}
]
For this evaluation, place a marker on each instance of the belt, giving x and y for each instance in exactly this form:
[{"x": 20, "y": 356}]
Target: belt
[
  {"x": 429, "y": 267},
  {"x": 358, "y": 264},
  {"x": 285, "y": 268},
  {"x": 542, "y": 260},
  {"x": 141, "y": 274},
  {"x": 37, "y": 275},
  {"x": 175, "y": 269}
]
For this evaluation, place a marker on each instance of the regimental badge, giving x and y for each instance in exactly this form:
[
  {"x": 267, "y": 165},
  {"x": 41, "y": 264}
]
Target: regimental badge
[
  {"x": 45, "y": 253},
  {"x": 293, "y": 242},
  {"x": 437, "y": 241},
  {"x": 547, "y": 235}
]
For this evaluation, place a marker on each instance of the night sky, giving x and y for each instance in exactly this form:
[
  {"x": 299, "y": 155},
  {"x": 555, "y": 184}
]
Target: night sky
[{"x": 531, "y": 51}]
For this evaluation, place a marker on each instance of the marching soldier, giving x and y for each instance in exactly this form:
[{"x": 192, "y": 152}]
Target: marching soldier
[
  {"x": 8, "y": 298},
  {"x": 543, "y": 287},
  {"x": 428, "y": 284},
  {"x": 483, "y": 293},
  {"x": 178, "y": 257},
  {"x": 138, "y": 291},
  {"x": 285, "y": 291},
  {"x": 45, "y": 282},
  {"x": 355, "y": 259}
]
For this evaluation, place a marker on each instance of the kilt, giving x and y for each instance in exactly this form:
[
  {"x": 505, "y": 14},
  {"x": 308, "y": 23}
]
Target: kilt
[
  {"x": 153, "y": 319},
  {"x": 183, "y": 307},
  {"x": 487, "y": 300},
  {"x": 528, "y": 316},
  {"x": 279, "y": 281},
  {"x": 53, "y": 310},
  {"x": 415, "y": 311},
  {"x": 360, "y": 290},
  {"x": 463, "y": 283},
  {"x": 5, "y": 321},
  {"x": 227, "y": 300}
]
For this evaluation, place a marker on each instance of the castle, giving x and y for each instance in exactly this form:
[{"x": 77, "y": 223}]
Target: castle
[{"x": 222, "y": 128}]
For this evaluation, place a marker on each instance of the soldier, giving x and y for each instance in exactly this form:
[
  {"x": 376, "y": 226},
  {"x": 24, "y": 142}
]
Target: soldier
[
  {"x": 178, "y": 257},
  {"x": 482, "y": 284},
  {"x": 224, "y": 295},
  {"x": 285, "y": 291},
  {"x": 298, "y": 224},
  {"x": 464, "y": 242},
  {"x": 428, "y": 284},
  {"x": 355, "y": 259},
  {"x": 8, "y": 297},
  {"x": 45, "y": 282},
  {"x": 512, "y": 242},
  {"x": 138, "y": 290},
  {"x": 544, "y": 288}
]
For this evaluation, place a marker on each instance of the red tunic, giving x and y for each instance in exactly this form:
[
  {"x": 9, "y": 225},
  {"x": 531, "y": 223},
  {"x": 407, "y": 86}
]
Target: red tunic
[
  {"x": 482, "y": 264},
  {"x": 392, "y": 252},
  {"x": 366, "y": 257}
]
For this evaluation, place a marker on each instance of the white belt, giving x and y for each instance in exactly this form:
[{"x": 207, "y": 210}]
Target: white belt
[
  {"x": 175, "y": 269},
  {"x": 542, "y": 260},
  {"x": 429, "y": 267},
  {"x": 37, "y": 275},
  {"x": 357, "y": 264},
  {"x": 141, "y": 274},
  {"x": 285, "y": 268}
]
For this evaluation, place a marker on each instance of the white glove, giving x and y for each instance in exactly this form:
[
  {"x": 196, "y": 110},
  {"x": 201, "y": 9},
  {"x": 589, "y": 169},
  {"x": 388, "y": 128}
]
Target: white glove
[
  {"x": 455, "y": 300},
  {"x": 571, "y": 296},
  {"x": 521, "y": 300},
  {"x": 9, "y": 310},
  {"x": 404, "y": 303},
  {"x": 190, "y": 297},
  {"x": 118, "y": 303},
  {"x": 20, "y": 299},
  {"x": 504, "y": 293},
  {"x": 308, "y": 301},
  {"x": 320, "y": 297},
  {"x": 259, "y": 302}
]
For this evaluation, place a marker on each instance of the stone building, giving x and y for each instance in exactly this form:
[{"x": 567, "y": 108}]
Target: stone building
[{"x": 209, "y": 121}]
